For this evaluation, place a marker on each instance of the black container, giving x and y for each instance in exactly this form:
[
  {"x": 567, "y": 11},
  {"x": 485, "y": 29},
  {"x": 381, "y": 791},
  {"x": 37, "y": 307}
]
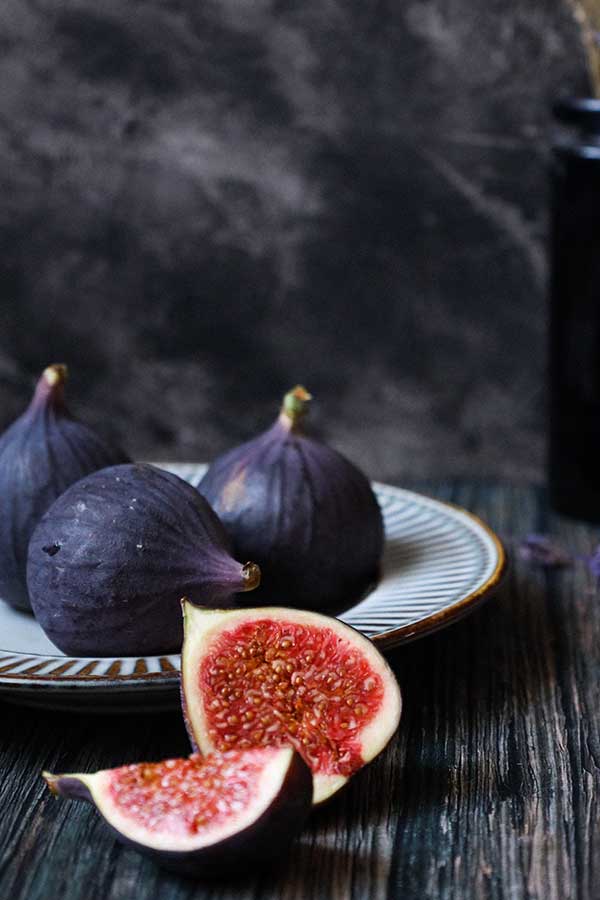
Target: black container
[{"x": 574, "y": 445}]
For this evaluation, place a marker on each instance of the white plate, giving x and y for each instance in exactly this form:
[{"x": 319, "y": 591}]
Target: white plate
[{"x": 439, "y": 563}]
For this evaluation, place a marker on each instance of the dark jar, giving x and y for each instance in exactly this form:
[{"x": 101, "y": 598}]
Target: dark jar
[{"x": 574, "y": 435}]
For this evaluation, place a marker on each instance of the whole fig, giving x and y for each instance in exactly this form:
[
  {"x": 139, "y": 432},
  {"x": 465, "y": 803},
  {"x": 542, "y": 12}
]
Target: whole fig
[
  {"x": 302, "y": 511},
  {"x": 41, "y": 454},
  {"x": 110, "y": 560}
]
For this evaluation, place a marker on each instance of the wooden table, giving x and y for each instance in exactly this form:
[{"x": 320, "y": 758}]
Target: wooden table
[{"x": 490, "y": 789}]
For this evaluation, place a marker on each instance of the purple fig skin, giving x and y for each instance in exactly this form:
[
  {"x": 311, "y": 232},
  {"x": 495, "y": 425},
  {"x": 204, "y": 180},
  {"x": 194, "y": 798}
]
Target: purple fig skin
[
  {"x": 266, "y": 839},
  {"x": 111, "y": 558},
  {"x": 43, "y": 452},
  {"x": 305, "y": 513}
]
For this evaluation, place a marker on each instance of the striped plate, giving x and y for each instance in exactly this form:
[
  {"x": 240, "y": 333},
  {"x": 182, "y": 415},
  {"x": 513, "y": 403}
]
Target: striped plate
[{"x": 439, "y": 563}]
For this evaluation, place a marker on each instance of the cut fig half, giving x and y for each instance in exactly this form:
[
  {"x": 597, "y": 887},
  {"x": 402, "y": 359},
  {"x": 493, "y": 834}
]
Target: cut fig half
[
  {"x": 201, "y": 815},
  {"x": 272, "y": 676}
]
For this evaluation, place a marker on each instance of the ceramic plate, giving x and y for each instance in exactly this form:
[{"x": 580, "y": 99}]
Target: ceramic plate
[{"x": 439, "y": 563}]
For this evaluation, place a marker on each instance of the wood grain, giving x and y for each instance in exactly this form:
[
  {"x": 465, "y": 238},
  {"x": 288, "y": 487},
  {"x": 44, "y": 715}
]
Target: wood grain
[{"x": 490, "y": 789}]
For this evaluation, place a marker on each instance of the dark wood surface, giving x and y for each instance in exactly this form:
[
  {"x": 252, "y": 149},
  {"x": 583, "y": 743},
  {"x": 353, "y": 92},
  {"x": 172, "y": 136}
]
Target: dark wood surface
[{"x": 490, "y": 789}]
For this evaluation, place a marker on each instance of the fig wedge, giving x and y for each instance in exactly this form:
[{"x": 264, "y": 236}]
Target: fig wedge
[
  {"x": 271, "y": 676},
  {"x": 201, "y": 816}
]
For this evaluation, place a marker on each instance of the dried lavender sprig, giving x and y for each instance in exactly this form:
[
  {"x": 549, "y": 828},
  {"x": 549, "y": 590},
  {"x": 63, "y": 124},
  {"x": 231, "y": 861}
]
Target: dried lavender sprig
[{"x": 542, "y": 550}]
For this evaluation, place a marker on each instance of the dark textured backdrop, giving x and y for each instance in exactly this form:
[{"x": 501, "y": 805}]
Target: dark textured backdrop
[{"x": 205, "y": 202}]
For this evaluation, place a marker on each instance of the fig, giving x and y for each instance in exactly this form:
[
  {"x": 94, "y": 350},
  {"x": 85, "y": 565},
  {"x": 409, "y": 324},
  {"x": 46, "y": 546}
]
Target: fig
[
  {"x": 111, "y": 558},
  {"x": 272, "y": 676},
  {"x": 305, "y": 513},
  {"x": 201, "y": 815},
  {"x": 41, "y": 454}
]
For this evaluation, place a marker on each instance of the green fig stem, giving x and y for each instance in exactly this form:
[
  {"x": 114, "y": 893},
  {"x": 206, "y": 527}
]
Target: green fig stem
[
  {"x": 251, "y": 576},
  {"x": 295, "y": 404}
]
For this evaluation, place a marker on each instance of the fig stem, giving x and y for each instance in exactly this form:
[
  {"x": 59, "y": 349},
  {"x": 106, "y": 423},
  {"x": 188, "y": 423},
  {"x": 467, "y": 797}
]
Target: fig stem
[
  {"x": 295, "y": 404},
  {"x": 55, "y": 374},
  {"x": 51, "y": 780},
  {"x": 49, "y": 390},
  {"x": 251, "y": 576}
]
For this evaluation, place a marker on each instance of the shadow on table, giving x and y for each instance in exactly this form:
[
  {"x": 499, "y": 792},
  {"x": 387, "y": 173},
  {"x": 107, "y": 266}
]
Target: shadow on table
[
  {"x": 310, "y": 865},
  {"x": 468, "y": 692},
  {"x": 315, "y": 864}
]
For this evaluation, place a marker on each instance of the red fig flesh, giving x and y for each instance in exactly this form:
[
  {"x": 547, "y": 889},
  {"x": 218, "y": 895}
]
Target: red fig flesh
[
  {"x": 201, "y": 815},
  {"x": 303, "y": 511},
  {"x": 41, "y": 454},
  {"x": 271, "y": 676}
]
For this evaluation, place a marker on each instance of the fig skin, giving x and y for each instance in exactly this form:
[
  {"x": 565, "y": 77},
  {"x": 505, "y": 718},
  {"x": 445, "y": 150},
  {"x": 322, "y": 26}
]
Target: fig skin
[
  {"x": 305, "y": 513},
  {"x": 264, "y": 839},
  {"x": 43, "y": 452},
  {"x": 111, "y": 558}
]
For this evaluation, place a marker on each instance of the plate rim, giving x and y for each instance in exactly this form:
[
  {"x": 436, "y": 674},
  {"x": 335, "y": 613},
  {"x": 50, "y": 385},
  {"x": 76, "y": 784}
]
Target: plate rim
[
  {"x": 433, "y": 622},
  {"x": 169, "y": 675}
]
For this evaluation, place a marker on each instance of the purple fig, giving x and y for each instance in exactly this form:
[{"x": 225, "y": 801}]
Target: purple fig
[
  {"x": 302, "y": 511},
  {"x": 41, "y": 454},
  {"x": 111, "y": 558},
  {"x": 201, "y": 815}
]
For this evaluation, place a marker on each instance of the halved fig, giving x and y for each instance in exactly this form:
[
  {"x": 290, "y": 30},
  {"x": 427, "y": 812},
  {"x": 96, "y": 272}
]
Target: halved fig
[
  {"x": 272, "y": 676},
  {"x": 201, "y": 815}
]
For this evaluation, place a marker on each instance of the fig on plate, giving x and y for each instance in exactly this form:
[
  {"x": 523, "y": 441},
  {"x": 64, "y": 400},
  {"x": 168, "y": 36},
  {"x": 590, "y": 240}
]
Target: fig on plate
[
  {"x": 201, "y": 815},
  {"x": 111, "y": 558},
  {"x": 305, "y": 513},
  {"x": 271, "y": 676},
  {"x": 42, "y": 453}
]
